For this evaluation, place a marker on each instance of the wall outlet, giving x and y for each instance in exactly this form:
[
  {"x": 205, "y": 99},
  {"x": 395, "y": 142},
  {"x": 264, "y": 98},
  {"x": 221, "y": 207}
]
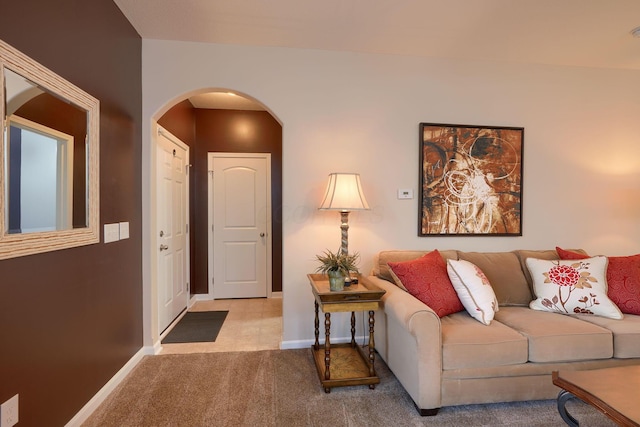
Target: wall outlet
[{"x": 9, "y": 412}]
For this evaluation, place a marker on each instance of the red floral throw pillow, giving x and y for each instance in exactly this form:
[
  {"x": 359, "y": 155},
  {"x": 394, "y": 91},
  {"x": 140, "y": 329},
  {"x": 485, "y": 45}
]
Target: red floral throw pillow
[
  {"x": 426, "y": 278},
  {"x": 623, "y": 279}
]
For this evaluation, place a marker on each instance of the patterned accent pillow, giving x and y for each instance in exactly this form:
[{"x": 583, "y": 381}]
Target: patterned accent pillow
[
  {"x": 426, "y": 279},
  {"x": 572, "y": 287},
  {"x": 473, "y": 289},
  {"x": 623, "y": 279}
]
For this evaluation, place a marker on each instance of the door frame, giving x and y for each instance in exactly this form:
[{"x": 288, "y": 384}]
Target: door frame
[
  {"x": 210, "y": 232},
  {"x": 157, "y": 130}
]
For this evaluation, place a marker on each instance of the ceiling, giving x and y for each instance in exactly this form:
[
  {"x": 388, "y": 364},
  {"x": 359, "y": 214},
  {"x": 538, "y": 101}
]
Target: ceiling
[
  {"x": 587, "y": 33},
  {"x": 224, "y": 101}
]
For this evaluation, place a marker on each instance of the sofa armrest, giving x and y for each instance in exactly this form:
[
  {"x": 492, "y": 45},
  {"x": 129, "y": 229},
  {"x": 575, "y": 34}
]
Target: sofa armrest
[
  {"x": 408, "y": 310},
  {"x": 411, "y": 344}
]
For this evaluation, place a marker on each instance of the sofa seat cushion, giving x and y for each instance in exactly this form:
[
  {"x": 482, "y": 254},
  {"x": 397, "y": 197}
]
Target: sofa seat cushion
[
  {"x": 555, "y": 337},
  {"x": 505, "y": 275},
  {"x": 467, "y": 343},
  {"x": 626, "y": 333}
]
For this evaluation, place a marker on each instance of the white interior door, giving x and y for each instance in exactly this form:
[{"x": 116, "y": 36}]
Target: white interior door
[
  {"x": 240, "y": 214},
  {"x": 172, "y": 227}
]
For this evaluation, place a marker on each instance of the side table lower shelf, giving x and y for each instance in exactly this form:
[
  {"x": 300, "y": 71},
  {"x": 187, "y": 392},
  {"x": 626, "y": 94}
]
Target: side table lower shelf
[{"x": 349, "y": 366}]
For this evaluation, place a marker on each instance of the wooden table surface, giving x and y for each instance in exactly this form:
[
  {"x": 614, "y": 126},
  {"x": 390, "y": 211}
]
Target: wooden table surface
[
  {"x": 360, "y": 297},
  {"x": 614, "y": 391}
]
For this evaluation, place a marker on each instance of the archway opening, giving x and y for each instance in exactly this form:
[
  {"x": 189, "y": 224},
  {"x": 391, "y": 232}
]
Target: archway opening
[{"x": 223, "y": 120}]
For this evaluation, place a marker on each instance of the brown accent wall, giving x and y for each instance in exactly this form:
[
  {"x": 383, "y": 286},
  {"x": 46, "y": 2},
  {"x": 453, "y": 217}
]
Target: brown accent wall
[
  {"x": 70, "y": 319},
  {"x": 180, "y": 120},
  {"x": 226, "y": 131}
]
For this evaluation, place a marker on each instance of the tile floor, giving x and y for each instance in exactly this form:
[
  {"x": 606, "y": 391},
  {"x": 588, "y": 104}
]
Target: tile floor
[{"x": 252, "y": 324}]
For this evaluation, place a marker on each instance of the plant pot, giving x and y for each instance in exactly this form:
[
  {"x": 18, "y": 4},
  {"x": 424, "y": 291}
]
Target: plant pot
[{"x": 336, "y": 280}]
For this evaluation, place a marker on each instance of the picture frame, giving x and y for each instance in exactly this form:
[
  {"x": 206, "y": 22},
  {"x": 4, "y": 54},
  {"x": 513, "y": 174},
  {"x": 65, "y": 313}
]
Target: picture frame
[{"x": 470, "y": 180}]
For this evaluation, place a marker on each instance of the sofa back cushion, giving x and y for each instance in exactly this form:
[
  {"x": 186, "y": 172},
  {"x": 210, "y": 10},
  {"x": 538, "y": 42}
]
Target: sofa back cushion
[
  {"x": 382, "y": 259},
  {"x": 504, "y": 271},
  {"x": 549, "y": 254}
]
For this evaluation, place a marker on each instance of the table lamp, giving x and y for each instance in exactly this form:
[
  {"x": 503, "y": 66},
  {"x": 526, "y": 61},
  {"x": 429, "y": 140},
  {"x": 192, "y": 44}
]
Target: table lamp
[{"x": 344, "y": 193}]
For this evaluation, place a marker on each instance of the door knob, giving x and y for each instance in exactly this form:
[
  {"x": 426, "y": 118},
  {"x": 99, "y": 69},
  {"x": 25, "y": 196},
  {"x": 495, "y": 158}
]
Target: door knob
[
  {"x": 262, "y": 234},
  {"x": 164, "y": 247}
]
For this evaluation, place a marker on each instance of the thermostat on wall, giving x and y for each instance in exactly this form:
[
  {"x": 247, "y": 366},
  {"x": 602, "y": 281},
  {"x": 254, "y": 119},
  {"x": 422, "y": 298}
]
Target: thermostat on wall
[{"x": 405, "y": 194}]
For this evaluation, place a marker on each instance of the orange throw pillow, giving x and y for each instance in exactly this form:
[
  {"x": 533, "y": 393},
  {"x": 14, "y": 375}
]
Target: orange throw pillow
[{"x": 426, "y": 278}]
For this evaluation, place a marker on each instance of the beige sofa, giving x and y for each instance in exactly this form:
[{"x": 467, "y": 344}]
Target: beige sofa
[{"x": 457, "y": 360}]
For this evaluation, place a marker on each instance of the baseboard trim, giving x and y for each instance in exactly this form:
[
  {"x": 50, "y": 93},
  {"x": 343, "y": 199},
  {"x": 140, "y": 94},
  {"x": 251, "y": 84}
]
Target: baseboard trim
[
  {"x": 199, "y": 297},
  {"x": 208, "y": 297},
  {"x": 104, "y": 392},
  {"x": 157, "y": 348},
  {"x": 290, "y": 345}
]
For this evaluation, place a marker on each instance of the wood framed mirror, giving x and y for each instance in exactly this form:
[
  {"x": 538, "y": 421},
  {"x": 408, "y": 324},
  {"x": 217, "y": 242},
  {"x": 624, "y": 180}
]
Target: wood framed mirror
[{"x": 49, "y": 173}]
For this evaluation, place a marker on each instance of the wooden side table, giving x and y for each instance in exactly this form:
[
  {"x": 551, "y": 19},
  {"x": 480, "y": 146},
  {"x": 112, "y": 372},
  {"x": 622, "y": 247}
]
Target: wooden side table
[{"x": 344, "y": 364}]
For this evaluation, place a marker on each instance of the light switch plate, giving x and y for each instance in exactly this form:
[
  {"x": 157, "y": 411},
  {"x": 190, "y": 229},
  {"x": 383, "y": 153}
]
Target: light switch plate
[
  {"x": 124, "y": 230},
  {"x": 404, "y": 194},
  {"x": 111, "y": 232}
]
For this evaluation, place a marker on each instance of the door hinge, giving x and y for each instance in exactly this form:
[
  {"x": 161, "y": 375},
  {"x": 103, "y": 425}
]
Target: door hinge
[{"x": 186, "y": 228}]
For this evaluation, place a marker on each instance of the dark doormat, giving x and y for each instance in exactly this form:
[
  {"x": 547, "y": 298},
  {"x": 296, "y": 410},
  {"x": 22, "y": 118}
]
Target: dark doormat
[{"x": 197, "y": 326}]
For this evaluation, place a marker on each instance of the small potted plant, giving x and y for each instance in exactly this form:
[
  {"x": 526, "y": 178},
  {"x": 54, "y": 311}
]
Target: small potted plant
[{"x": 337, "y": 266}]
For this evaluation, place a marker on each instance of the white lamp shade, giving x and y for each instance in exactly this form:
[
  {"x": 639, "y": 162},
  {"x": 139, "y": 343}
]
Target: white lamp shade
[{"x": 344, "y": 193}]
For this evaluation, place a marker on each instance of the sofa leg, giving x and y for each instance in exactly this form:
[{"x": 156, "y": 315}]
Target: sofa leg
[{"x": 428, "y": 412}]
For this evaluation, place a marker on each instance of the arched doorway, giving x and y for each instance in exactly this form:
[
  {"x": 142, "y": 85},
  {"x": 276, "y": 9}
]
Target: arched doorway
[{"x": 211, "y": 120}]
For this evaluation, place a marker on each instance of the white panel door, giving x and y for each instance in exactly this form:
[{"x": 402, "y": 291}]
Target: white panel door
[
  {"x": 241, "y": 218},
  {"x": 172, "y": 228}
]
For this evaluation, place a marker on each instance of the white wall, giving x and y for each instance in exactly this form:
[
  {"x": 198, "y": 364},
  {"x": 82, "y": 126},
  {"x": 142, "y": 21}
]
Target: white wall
[{"x": 360, "y": 113}]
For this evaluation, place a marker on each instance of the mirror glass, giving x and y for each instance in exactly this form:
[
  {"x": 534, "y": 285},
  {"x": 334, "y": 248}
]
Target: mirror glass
[
  {"x": 50, "y": 158},
  {"x": 45, "y": 138}
]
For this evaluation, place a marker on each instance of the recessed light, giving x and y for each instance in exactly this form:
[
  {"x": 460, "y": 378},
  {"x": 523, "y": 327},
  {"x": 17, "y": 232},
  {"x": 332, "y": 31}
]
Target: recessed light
[{"x": 636, "y": 32}]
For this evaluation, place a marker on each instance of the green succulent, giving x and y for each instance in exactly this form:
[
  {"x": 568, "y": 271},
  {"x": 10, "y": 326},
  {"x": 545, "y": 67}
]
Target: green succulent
[{"x": 345, "y": 263}]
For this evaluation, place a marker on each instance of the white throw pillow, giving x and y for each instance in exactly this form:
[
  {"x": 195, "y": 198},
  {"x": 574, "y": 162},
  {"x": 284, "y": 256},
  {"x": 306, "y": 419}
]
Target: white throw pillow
[
  {"x": 473, "y": 289},
  {"x": 572, "y": 286}
]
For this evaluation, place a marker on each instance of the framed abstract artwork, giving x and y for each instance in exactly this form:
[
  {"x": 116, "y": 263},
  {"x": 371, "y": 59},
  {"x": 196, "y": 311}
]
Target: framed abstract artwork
[{"x": 470, "y": 180}]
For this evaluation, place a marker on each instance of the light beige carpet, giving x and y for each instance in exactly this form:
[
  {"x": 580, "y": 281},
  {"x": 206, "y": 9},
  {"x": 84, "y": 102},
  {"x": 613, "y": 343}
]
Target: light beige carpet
[{"x": 281, "y": 388}]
